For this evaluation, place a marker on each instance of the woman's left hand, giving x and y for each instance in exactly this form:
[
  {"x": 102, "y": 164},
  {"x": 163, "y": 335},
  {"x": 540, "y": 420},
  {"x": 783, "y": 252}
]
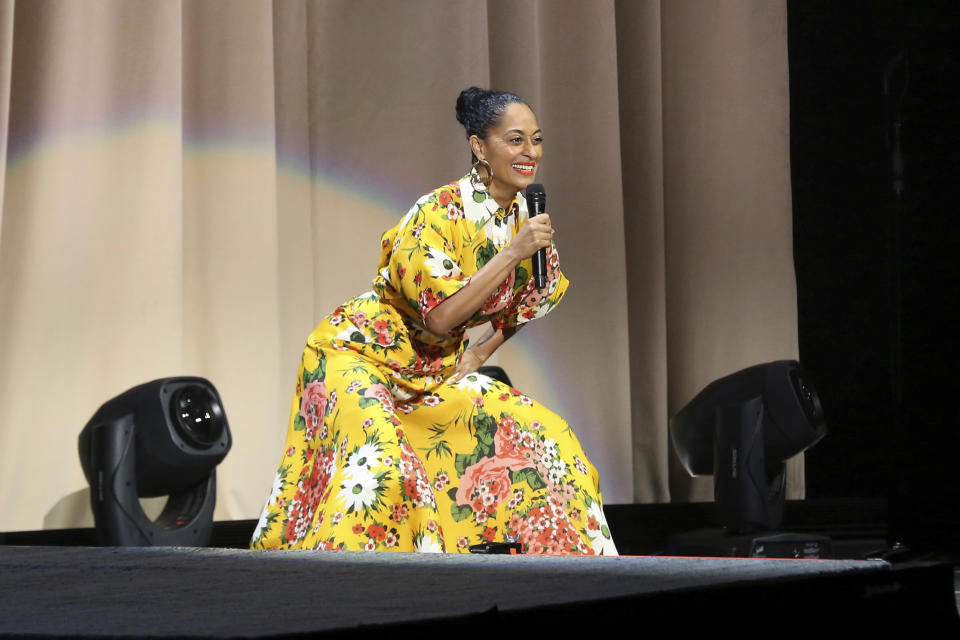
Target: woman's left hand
[{"x": 470, "y": 361}]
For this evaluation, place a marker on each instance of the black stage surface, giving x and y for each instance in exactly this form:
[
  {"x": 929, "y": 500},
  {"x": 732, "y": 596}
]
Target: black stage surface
[{"x": 51, "y": 589}]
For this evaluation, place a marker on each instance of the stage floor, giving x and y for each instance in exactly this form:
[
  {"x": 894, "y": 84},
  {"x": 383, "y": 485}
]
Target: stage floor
[{"x": 221, "y": 593}]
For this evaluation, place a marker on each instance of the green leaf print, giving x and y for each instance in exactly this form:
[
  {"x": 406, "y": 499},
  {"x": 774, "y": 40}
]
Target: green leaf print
[
  {"x": 586, "y": 498},
  {"x": 299, "y": 424},
  {"x": 316, "y": 374},
  {"x": 522, "y": 276},
  {"x": 366, "y": 403},
  {"x": 485, "y": 253},
  {"x": 462, "y": 461},
  {"x": 437, "y": 431},
  {"x": 486, "y": 428},
  {"x": 442, "y": 448},
  {"x": 479, "y": 196},
  {"x": 460, "y": 512},
  {"x": 530, "y": 476},
  {"x": 485, "y": 438}
]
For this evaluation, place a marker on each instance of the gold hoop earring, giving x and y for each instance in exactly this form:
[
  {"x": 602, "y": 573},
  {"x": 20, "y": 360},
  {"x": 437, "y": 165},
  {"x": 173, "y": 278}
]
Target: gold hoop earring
[{"x": 481, "y": 182}]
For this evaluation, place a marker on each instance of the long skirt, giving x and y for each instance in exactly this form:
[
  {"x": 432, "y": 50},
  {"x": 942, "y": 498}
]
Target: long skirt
[{"x": 460, "y": 464}]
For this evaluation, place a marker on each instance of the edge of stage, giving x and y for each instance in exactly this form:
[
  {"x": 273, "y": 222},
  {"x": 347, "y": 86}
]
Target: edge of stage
[{"x": 49, "y": 589}]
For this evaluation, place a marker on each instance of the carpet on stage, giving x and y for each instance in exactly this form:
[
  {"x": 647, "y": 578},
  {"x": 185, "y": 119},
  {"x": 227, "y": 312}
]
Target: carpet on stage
[{"x": 232, "y": 593}]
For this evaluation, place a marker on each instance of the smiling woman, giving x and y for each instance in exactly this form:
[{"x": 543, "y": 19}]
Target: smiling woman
[
  {"x": 395, "y": 441},
  {"x": 510, "y": 149}
]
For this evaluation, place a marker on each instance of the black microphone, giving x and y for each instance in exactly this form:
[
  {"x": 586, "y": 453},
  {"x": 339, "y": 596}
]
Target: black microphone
[{"x": 537, "y": 204}]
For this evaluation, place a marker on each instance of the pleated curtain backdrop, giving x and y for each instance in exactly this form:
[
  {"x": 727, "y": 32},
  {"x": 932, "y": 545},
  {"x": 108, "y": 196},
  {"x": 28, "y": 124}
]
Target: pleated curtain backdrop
[{"x": 188, "y": 187}]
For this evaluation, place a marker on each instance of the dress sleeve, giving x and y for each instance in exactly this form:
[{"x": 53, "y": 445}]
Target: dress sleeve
[
  {"x": 422, "y": 262},
  {"x": 529, "y": 302}
]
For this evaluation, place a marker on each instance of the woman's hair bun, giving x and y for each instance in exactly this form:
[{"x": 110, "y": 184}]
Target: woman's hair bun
[
  {"x": 466, "y": 102},
  {"x": 479, "y": 109}
]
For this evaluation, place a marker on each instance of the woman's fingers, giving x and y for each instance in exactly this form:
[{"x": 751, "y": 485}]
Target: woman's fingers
[
  {"x": 541, "y": 232},
  {"x": 469, "y": 362},
  {"x": 546, "y": 228}
]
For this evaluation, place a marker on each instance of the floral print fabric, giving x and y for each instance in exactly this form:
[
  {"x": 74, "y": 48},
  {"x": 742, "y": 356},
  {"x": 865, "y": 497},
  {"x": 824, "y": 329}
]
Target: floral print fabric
[{"x": 383, "y": 453}]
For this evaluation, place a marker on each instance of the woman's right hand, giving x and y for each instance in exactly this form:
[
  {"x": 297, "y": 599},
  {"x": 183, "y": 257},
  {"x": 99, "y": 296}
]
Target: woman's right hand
[{"x": 536, "y": 234}]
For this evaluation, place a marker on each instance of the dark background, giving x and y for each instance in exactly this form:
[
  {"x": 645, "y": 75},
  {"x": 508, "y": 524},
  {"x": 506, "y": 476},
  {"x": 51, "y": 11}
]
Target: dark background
[{"x": 876, "y": 246}]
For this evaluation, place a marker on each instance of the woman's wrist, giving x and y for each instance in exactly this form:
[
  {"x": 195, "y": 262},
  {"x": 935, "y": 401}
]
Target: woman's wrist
[
  {"x": 489, "y": 344},
  {"x": 511, "y": 253},
  {"x": 479, "y": 353}
]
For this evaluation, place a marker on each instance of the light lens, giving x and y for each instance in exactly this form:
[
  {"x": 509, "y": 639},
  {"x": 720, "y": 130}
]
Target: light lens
[{"x": 197, "y": 415}]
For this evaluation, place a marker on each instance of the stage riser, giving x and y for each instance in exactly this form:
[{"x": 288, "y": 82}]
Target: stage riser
[{"x": 180, "y": 592}]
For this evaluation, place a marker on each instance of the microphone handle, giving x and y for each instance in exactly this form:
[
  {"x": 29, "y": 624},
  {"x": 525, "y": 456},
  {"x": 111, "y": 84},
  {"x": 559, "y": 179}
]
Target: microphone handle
[
  {"x": 537, "y": 198},
  {"x": 540, "y": 268}
]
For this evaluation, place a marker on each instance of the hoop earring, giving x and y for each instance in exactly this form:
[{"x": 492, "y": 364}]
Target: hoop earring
[{"x": 481, "y": 182}]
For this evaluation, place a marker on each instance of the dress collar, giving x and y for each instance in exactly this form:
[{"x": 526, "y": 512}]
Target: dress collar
[{"x": 479, "y": 206}]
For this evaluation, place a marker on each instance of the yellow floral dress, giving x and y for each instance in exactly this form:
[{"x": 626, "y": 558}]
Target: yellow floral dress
[{"x": 383, "y": 454}]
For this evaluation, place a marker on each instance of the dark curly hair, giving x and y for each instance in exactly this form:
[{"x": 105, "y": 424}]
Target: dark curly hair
[{"x": 479, "y": 109}]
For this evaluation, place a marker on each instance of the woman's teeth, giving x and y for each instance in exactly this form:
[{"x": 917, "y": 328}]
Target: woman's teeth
[{"x": 525, "y": 169}]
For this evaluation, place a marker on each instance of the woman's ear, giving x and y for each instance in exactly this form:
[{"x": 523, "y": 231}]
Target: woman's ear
[{"x": 476, "y": 145}]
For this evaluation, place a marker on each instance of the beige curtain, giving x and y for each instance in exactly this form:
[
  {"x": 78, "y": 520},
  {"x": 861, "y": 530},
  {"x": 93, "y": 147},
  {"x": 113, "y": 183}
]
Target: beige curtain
[{"x": 187, "y": 187}]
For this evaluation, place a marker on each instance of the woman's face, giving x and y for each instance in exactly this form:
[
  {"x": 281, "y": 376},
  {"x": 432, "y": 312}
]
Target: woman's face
[{"x": 514, "y": 148}]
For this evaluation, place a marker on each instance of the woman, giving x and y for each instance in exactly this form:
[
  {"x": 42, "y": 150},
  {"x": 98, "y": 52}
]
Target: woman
[{"x": 395, "y": 442}]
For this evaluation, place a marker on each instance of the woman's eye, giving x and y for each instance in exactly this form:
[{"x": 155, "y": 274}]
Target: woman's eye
[
  {"x": 538, "y": 140},
  {"x": 516, "y": 140}
]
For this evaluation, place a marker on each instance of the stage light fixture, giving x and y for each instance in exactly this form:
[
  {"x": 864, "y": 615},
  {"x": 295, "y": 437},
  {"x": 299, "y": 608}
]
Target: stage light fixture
[
  {"x": 742, "y": 429},
  {"x": 161, "y": 438}
]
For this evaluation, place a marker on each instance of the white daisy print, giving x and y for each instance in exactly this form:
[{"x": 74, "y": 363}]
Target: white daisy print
[
  {"x": 365, "y": 458},
  {"x": 427, "y": 544},
  {"x": 475, "y": 382},
  {"x": 441, "y": 265},
  {"x": 498, "y": 234},
  {"x": 600, "y": 538},
  {"x": 276, "y": 490},
  {"x": 358, "y": 490},
  {"x": 350, "y": 333}
]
